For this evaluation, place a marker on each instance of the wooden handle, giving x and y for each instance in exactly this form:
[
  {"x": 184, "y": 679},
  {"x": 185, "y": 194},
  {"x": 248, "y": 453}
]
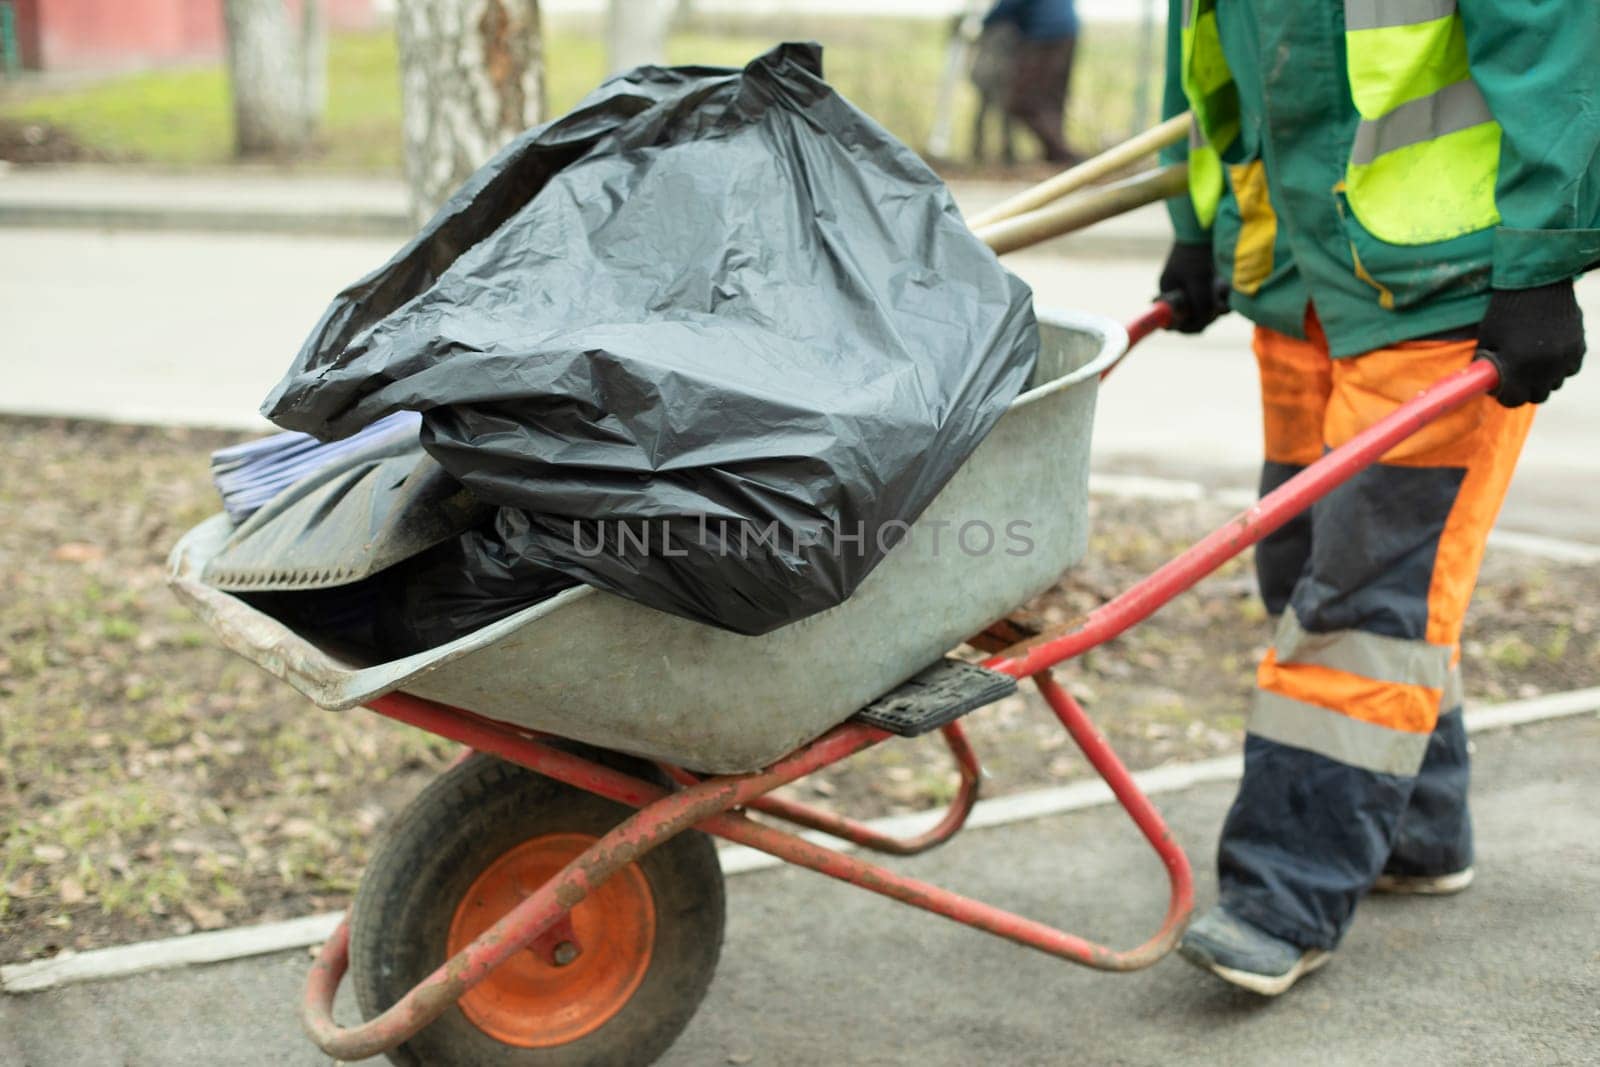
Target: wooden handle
[
  {"x": 1106, "y": 163},
  {"x": 1076, "y": 212}
]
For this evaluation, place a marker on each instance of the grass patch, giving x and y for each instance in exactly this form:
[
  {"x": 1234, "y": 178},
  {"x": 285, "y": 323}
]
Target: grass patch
[{"x": 889, "y": 67}]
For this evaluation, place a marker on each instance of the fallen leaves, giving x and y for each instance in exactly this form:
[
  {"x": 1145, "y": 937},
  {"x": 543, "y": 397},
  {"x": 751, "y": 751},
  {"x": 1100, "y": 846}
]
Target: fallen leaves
[
  {"x": 206, "y": 918},
  {"x": 78, "y": 552}
]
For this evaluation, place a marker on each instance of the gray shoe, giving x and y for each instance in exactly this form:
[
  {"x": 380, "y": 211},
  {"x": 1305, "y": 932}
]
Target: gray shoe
[
  {"x": 1253, "y": 959},
  {"x": 1425, "y": 885}
]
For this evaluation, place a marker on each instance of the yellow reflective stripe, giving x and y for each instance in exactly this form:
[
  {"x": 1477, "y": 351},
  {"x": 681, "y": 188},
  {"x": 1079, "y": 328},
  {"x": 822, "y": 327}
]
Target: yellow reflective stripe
[
  {"x": 1455, "y": 107},
  {"x": 1394, "y": 64},
  {"x": 1338, "y": 737},
  {"x": 1258, "y": 229},
  {"x": 1213, "y": 101},
  {"x": 1374, "y": 14},
  {"x": 1205, "y": 68},
  {"x": 1375, "y": 656},
  {"x": 1205, "y": 183},
  {"x": 1432, "y": 191}
]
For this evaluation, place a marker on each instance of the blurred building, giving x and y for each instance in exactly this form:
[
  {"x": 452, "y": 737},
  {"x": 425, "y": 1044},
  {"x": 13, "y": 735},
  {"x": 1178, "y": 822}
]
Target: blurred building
[{"x": 89, "y": 35}]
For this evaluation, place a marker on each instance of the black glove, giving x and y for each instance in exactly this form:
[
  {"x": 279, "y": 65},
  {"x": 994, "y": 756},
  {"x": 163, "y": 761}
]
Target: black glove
[
  {"x": 1191, "y": 272},
  {"x": 1535, "y": 338}
]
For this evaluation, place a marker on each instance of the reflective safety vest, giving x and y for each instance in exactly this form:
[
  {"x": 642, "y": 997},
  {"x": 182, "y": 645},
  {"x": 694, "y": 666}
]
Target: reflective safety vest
[
  {"x": 1213, "y": 105},
  {"x": 1426, "y": 153}
]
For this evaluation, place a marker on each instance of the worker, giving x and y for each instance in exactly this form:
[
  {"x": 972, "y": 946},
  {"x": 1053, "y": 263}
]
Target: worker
[
  {"x": 1047, "y": 33},
  {"x": 1388, "y": 189}
]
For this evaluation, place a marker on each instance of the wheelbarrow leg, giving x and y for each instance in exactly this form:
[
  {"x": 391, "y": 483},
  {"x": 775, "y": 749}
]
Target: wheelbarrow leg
[{"x": 1143, "y": 813}]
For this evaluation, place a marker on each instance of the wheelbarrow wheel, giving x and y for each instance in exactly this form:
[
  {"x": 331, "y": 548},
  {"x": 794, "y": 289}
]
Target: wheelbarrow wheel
[{"x": 473, "y": 845}]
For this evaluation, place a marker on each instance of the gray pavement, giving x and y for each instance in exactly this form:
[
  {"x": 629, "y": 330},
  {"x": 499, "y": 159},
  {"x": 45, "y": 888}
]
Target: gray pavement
[
  {"x": 265, "y": 200},
  {"x": 816, "y": 973},
  {"x": 246, "y": 199},
  {"x": 194, "y": 328},
  {"x": 189, "y": 329}
]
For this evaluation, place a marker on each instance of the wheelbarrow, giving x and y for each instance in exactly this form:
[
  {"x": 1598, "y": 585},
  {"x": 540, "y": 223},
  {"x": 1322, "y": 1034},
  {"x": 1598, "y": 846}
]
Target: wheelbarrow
[{"x": 555, "y": 896}]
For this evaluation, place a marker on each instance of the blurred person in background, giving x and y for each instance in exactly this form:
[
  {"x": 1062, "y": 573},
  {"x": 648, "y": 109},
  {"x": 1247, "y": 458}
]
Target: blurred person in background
[
  {"x": 991, "y": 74},
  {"x": 1047, "y": 37}
]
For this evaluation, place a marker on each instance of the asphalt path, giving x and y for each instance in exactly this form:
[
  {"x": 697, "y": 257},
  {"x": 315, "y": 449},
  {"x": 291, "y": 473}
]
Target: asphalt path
[{"x": 814, "y": 972}]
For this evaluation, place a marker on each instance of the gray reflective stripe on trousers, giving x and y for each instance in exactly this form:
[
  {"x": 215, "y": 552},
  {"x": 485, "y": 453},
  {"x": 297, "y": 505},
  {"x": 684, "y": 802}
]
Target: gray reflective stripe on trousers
[
  {"x": 1383, "y": 659},
  {"x": 1338, "y": 737},
  {"x": 1455, "y": 694},
  {"x": 1458, "y": 106},
  {"x": 1376, "y": 14}
]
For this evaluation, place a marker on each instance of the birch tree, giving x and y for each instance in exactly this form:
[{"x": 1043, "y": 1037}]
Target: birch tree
[
  {"x": 472, "y": 78},
  {"x": 277, "y": 69},
  {"x": 636, "y": 33}
]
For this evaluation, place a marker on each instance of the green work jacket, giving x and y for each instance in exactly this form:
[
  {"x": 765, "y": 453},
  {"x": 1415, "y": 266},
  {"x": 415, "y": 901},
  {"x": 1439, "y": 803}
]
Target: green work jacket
[{"x": 1284, "y": 233}]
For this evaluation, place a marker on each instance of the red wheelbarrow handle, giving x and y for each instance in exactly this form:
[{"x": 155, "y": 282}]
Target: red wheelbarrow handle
[
  {"x": 1272, "y": 511},
  {"x": 1158, "y": 316}
]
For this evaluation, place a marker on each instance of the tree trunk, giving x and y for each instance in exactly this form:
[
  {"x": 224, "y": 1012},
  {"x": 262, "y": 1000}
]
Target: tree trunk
[
  {"x": 636, "y": 33},
  {"x": 472, "y": 78},
  {"x": 277, "y": 67}
]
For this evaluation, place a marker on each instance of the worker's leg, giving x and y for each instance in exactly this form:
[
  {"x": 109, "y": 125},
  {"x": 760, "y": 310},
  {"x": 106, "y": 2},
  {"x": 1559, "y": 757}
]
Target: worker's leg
[
  {"x": 1349, "y": 697},
  {"x": 1296, "y": 378},
  {"x": 1037, "y": 93},
  {"x": 978, "y": 122},
  {"x": 1059, "y": 88},
  {"x": 1435, "y": 834},
  {"x": 1433, "y": 846}
]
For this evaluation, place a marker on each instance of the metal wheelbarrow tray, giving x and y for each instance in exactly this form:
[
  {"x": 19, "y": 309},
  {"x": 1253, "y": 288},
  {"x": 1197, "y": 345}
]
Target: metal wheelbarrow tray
[{"x": 597, "y": 668}]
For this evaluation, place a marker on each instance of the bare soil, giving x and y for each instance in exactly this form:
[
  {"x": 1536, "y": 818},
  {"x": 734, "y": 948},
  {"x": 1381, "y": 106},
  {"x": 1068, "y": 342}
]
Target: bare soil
[
  {"x": 152, "y": 783},
  {"x": 41, "y": 142}
]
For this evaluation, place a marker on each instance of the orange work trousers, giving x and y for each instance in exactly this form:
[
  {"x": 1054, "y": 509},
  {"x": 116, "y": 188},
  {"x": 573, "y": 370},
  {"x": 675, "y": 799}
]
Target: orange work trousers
[{"x": 1355, "y": 758}]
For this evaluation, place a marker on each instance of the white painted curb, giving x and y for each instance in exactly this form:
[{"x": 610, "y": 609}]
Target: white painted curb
[
  {"x": 213, "y": 947},
  {"x": 221, "y": 945}
]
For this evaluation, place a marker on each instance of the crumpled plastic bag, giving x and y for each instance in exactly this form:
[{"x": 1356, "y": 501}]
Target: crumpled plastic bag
[{"x": 706, "y": 306}]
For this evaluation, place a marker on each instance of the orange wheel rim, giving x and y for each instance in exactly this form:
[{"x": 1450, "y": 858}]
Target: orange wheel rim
[{"x": 529, "y": 1001}]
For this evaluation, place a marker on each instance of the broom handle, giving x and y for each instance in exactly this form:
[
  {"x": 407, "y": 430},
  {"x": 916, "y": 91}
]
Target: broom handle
[
  {"x": 1090, "y": 170},
  {"x": 1076, "y": 212}
]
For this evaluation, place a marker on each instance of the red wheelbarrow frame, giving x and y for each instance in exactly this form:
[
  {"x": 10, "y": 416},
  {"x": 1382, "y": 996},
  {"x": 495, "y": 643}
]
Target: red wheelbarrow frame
[{"x": 717, "y": 805}]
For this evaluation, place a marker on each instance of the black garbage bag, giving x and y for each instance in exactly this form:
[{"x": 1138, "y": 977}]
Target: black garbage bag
[{"x": 705, "y": 342}]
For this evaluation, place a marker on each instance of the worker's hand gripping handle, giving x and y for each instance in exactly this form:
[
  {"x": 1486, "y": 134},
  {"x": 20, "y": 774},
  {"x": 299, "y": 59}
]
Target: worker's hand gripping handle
[
  {"x": 1158, "y": 316},
  {"x": 1167, "y": 309}
]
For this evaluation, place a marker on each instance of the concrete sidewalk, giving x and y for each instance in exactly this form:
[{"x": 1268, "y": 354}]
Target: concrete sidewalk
[
  {"x": 262, "y": 200},
  {"x": 194, "y": 329},
  {"x": 254, "y": 200},
  {"x": 817, "y": 973}
]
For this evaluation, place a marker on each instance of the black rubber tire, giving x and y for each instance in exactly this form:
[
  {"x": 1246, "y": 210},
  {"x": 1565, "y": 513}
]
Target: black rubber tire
[{"x": 448, "y": 836}]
